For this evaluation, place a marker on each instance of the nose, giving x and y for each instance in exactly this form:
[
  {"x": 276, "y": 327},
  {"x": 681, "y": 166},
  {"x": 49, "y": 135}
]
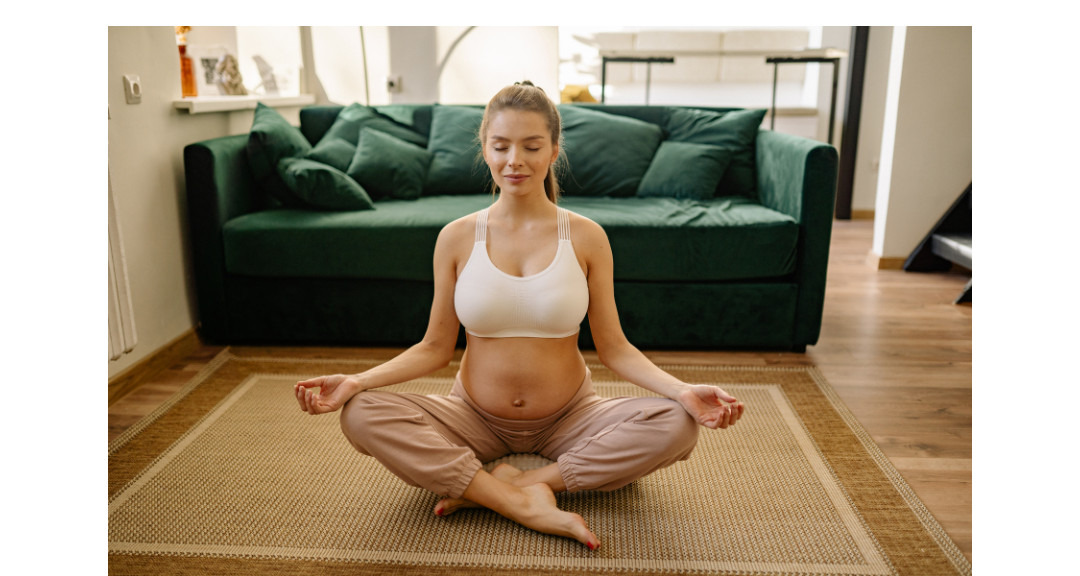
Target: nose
[{"x": 514, "y": 156}]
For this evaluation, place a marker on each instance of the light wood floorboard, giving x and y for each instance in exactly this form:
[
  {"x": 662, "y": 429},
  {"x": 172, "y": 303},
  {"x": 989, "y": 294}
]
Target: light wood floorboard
[{"x": 892, "y": 345}]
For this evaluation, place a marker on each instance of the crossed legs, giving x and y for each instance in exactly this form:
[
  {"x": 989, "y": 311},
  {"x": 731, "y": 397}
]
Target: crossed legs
[{"x": 438, "y": 442}]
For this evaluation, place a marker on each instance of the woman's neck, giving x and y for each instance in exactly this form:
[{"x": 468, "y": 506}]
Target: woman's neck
[{"x": 523, "y": 210}]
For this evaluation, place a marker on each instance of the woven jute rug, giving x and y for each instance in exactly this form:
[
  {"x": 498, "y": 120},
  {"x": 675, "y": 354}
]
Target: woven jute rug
[{"x": 230, "y": 477}]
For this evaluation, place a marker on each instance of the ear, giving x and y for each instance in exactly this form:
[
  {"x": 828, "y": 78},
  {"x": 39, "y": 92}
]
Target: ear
[{"x": 555, "y": 154}]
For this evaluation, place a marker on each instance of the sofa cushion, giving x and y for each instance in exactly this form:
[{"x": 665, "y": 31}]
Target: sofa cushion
[
  {"x": 334, "y": 152},
  {"x": 608, "y": 154},
  {"x": 388, "y": 167},
  {"x": 652, "y": 239},
  {"x": 735, "y": 131},
  {"x": 415, "y": 116},
  {"x": 456, "y": 166},
  {"x": 685, "y": 170},
  {"x": 271, "y": 139},
  {"x": 323, "y": 186},
  {"x": 356, "y": 116}
]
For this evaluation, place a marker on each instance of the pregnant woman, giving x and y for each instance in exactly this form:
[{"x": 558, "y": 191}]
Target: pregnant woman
[{"x": 520, "y": 276}]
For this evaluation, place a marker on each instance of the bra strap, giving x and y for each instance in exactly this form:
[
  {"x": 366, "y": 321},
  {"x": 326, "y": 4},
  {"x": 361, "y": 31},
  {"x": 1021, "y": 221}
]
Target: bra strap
[
  {"x": 481, "y": 226},
  {"x": 564, "y": 224}
]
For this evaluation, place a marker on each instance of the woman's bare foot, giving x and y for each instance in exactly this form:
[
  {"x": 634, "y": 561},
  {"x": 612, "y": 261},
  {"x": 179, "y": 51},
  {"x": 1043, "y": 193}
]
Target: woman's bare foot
[
  {"x": 504, "y": 472},
  {"x": 541, "y": 513},
  {"x": 532, "y": 506}
]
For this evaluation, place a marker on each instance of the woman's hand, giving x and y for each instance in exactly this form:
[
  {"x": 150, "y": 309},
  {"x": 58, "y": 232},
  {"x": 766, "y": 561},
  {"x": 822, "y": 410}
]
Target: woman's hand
[
  {"x": 334, "y": 392},
  {"x": 711, "y": 406}
]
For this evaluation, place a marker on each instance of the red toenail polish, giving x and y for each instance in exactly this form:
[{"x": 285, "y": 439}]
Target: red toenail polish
[
  {"x": 439, "y": 511},
  {"x": 591, "y": 547}
]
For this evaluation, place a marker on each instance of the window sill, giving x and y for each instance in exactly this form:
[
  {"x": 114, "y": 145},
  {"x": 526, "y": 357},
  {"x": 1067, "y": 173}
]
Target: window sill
[{"x": 203, "y": 104}]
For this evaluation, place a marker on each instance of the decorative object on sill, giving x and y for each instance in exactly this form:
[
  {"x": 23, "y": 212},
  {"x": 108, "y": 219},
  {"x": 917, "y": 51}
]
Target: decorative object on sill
[
  {"x": 187, "y": 67},
  {"x": 230, "y": 82},
  {"x": 266, "y": 71},
  {"x": 206, "y": 58},
  {"x": 576, "y": 93}
]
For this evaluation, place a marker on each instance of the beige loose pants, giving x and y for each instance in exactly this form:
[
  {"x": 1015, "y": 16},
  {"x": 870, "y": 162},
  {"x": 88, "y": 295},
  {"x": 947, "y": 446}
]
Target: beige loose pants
[{"x": 440, "y": 442}]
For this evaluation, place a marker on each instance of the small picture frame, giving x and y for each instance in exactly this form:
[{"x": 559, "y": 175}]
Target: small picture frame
[{"x": 205, "y": 58}]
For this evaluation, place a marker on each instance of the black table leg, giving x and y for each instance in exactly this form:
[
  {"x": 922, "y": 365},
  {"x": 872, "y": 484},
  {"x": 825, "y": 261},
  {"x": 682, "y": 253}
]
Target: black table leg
[
  {"x": 832, "y": 106},
  {"x": 603, "y": 78},
  {"x": 772, "y": 114}
]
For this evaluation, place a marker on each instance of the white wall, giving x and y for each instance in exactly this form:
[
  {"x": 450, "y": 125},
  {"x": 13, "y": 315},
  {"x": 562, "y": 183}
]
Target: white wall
[
  {"x": 146, "y": 146},
  {"x": 926, "y": 143},
  {"x": 339, "y": 63},
  {"x": 490, "y": 58},
  {"x": 414, "y": 57},
  {"x": 146, "y": 142},
  {"x": 875, "y": 83},
  {"x": 377, "y": 44},
  {"x": 832, "y": 37}
]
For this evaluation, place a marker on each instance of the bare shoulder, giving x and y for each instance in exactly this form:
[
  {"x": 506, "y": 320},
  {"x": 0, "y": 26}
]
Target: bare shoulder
[
  {"x": 587, "y": 232},
  {"x": 456, "y": 231},
  {"x": 455, "y": 241},
  {"x": 590, "y": 243}
]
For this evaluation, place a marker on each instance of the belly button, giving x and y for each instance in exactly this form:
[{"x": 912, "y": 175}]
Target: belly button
[{"x": 519, "y": 403}]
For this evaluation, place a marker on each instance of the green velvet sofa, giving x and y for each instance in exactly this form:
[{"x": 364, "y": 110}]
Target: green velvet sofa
[{"x": 727, "y": 272}]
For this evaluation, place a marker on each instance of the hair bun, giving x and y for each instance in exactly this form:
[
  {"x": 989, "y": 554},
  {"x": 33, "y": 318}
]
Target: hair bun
[{"x": 529, "y": 84}]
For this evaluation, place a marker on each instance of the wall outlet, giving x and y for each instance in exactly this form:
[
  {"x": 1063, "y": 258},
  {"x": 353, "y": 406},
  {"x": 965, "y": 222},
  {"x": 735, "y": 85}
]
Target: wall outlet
[
  {"x": 393, "y": 83},
  {"x": 132, "y": 89}
]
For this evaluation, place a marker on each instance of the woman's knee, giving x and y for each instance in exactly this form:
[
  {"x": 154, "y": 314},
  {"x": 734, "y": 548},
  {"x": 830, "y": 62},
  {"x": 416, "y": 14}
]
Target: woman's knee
[
  {"x": 681, "y": 432},
  {"x": 356, "y": 413}
]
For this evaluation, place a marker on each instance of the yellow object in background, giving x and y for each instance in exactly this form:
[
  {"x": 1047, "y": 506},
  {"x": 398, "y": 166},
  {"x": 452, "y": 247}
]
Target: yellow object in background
[{"x": 576, "y": 93}]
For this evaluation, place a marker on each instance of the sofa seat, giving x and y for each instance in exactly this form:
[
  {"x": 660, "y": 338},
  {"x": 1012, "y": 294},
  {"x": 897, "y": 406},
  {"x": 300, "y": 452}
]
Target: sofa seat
[{"x": 652, "y": 239}]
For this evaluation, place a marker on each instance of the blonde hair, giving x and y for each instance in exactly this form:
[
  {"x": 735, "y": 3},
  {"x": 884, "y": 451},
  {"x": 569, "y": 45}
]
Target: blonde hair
[{"x": 527, "y": 97}]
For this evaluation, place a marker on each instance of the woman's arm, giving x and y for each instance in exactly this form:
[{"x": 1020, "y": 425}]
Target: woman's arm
[
  {"x": 709, "y": 405},
  {"x": 432, "y": 353}
]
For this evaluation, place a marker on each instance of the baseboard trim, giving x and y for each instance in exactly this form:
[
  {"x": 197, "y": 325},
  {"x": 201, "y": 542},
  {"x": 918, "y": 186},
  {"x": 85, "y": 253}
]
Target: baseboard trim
[
  {"x": 162, "y": 358},
  {"x": 862, "y": 214},
  {"x": 885, "y": 263}
]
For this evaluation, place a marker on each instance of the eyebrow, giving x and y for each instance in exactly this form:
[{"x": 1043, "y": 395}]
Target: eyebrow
[{"x": 538, "y": 136}]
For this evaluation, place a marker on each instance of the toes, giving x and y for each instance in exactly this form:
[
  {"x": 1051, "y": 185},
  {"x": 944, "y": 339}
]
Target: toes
[
  {"x": 582, "y": 533},
  {"x": 448, "y": 506}
]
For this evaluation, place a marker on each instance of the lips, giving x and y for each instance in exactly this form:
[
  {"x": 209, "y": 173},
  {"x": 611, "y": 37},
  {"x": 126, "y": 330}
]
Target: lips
[{"x": 516, "y": 178}]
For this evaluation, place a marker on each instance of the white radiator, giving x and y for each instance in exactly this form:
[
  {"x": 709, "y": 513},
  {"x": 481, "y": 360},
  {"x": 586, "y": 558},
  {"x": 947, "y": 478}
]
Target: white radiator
[{"x": 122, "y": 336}]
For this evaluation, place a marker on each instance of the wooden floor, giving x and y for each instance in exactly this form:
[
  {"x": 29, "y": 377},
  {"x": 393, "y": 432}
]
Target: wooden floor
[{"x": 892, "y": 345}]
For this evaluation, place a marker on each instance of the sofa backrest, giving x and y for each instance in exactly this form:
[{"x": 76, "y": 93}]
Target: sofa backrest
[{"x": 316, "y": 120}]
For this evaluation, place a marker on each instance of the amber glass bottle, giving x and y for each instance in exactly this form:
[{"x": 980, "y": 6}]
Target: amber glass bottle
[{"x": 187, "y": 74}]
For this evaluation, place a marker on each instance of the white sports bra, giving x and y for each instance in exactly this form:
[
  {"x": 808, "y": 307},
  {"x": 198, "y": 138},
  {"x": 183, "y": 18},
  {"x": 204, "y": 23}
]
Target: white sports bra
[{"x": 550, "y": 304}]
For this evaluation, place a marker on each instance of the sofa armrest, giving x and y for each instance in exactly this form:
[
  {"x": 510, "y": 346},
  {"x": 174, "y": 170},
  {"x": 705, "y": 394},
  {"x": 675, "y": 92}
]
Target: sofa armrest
[
  {"x": 797, "y": 176},
  {"x": 219, "y": 188}
]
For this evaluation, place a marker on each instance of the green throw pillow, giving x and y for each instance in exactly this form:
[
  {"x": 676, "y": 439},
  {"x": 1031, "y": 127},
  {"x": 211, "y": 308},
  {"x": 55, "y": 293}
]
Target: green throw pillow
[
  {"x": 685, "y": 170},
  {"x": 735, "y": 131},
  {"x": 333, "y": 151},
  {"x": 415, "y": 116},
  {"x": 388, "y": 167},
  {"x": 273, "y": 138},
  {"x": 608, "y": 154},
  {"x": 356, "y": 116},
  {"x": 455, "y": 168},
  {"x": 323, "y": 186}
]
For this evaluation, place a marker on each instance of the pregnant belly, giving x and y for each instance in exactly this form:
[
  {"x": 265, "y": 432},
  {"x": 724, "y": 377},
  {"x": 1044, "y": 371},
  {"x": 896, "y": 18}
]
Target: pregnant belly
[{"x": 522, "y": 378}]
